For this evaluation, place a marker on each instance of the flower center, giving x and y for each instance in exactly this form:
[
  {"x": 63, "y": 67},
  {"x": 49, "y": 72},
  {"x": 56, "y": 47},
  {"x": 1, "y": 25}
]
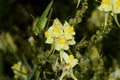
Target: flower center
[
  {"x": 70, "y": 58},
  {"x": 56, "y": 29},
  {"x": 16, "y": 66},
  {"x": 62, "y": 40},
  {"x": 24, "y": 69},
  {"x": 46, "y": 34},
  {"x": 70, "y": 29}
]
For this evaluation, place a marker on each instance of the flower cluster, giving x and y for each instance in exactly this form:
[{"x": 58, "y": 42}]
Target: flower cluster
[
  {"x": 61, "y": 36},
  {"x": 70, "y": 62},
  {"x": 110, "y": 5},
  {"x": 20, "y": 71}
]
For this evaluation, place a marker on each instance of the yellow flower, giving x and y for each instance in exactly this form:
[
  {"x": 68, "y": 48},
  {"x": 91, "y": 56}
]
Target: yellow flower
[
  {"x": 61, "y": 44},
  {"x": 110, "y": 5},
  {"x": 69, "y": 60},
  {"x": 68, "y": 31},
  {"x": 56, "y": 28},
  {"x": 106, "y": 6},
  {"x": 19, "y": 70},
  {"x": 49, "y": 37},
  {"x": 116, "y": 7},
  {"x": 11, "y": 43},
  {"x": 60, "y": 35},
  {"x": 57, "y": 23},
  {"x": 53, "y": 32}
]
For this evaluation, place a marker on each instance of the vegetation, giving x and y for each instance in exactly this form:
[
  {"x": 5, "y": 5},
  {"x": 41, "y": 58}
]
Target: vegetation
[{"x": 59, "y": 40}]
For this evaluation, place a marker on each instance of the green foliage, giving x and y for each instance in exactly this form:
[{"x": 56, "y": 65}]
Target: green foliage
[{"x": 40, "y": 23}]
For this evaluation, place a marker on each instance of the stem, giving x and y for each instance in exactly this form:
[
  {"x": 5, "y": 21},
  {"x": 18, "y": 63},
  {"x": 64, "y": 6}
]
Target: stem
[
  {"x": 72, "y": 75},
  {"x": 78, "y": 3},
  {"x": 106, "y": 19},
  {"x": 51, "y": 51},
  {"x": 32, "y": 73},
  {"x": 63, "y": 74},
  {"x": 37, "y": 75},
  {"x": 26, "y": 63},
  {"x": 79, "y": 44}
]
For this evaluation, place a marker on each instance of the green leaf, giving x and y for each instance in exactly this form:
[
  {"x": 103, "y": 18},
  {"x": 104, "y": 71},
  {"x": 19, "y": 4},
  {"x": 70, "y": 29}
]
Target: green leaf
[
  {"x": 78, "y": 3},
  {"x": 40, "y": 23}
]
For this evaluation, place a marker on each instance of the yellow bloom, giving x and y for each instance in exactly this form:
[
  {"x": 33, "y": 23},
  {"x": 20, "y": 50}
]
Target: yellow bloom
[
  {"x": 69, "y": 60},
  {"x": 68, "y": 31},
  {"x": 49, "y": 37},
  {"x": 19, "y": 70},
  {"x": 110, "y": 5},
  {"x": 10, "y": 42},
  {"x": 60, "y": 35},
  {"x": 56, "y": 28},
  {"x": 106, "y": 6},
  {"x": 57, "y": 23},
  {"x": 53, "y": 32},
  {"x": 61, "y": 44},
  {"x": 106, "y": 1},
  {"x": 116, "y": 7}
]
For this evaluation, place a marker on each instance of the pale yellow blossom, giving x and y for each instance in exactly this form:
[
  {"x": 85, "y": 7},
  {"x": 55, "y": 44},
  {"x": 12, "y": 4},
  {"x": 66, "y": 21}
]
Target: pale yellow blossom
[
  {"x": 110, "y": 5},
  {"x": 68, "y": 31},
  {"x": 106, "y": 5},
  {"x": 60, "y": 35},
  {"x": 61, "y": 44},
  {"x": 49, "y": 37},
  {"x": 69, "y": 60},
  {"x": 116, "y": 7},
  {"x": 19, "y": 70}
]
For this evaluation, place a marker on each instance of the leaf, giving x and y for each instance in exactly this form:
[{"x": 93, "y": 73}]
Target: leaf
[
  {"x": 78, "y": 3},
  {"x": 40, "y": 23}
]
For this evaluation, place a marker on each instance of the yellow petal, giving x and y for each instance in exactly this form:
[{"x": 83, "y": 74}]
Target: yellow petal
[
  {"x": 47, "y": 34},
  {"x": 70, "y": 58},
  {"x": 64, "y": 56},
  {"x": 106, "y": 6},
  {"x": 116, "y": 7},
  {"x": 106, "y": 2}
]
